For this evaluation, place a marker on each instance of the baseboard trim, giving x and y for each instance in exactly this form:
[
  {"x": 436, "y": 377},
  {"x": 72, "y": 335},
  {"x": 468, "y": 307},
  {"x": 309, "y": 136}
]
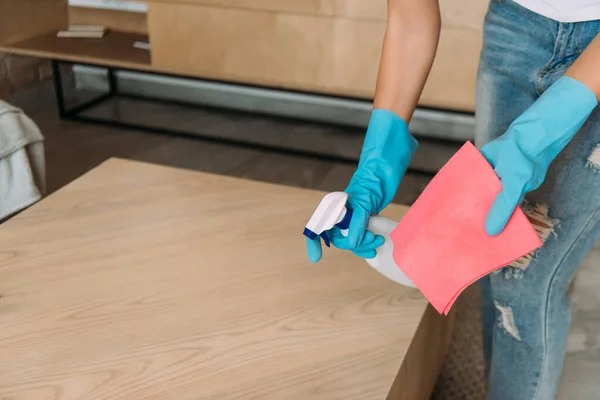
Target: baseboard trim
[{"x": 435, "y": 124}]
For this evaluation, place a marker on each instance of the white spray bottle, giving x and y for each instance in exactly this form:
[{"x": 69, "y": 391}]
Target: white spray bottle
[{"x": 333, "y": 211}]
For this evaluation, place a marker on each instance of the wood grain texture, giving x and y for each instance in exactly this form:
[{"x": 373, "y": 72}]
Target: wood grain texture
[
  {"x": 24, "y": 19},
  {"x": 456, "y": 13},
  {"x": 452, "y": 80},
  {"x": 113, "y": 19},
  {"x": 297, "y": 50},
  {"x": 422, "y": 364},
  {"x": 274, "y": 49},
  {"x": 145, "y": 282},
  {"x": 358, "y": 9},
  {"x": 115, "y": 49}
]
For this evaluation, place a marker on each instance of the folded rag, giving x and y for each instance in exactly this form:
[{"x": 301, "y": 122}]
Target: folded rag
[{"x": 441, "y": 243}]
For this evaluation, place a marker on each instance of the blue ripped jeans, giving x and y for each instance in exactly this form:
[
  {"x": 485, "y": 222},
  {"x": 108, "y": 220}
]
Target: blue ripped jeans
[{"x": 526, "y": 305}]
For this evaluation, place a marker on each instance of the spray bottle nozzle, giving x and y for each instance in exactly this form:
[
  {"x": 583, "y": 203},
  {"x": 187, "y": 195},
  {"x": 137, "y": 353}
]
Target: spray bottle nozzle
[
  {"x": 332, "y": 211},
  {"x": 312, "y": 235}
]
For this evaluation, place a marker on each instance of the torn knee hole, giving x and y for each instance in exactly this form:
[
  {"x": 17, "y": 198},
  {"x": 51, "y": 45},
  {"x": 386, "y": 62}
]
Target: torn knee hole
[
  {"x": 544, "y": 226},
  {"x": 593, "y": 160},
  {"x": 507, "y": 320}
]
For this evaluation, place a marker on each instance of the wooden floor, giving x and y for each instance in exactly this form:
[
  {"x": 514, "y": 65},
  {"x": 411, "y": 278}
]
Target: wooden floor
[{"x": 74, "y": 148}]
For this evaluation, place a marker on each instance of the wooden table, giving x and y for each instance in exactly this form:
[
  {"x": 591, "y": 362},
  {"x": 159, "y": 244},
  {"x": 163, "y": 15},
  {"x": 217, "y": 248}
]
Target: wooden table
[{"x": 139, "y": 281}]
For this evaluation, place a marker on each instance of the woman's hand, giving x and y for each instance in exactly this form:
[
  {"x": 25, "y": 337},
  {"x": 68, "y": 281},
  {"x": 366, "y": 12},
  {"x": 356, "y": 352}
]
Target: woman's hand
[
  {"x": 409, "y": 47},
  {"x": 386, "y": 153},
  {"x": 522, "y": 155}
]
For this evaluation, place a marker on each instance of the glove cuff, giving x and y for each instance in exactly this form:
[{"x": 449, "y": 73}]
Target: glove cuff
[
  {"x": 388, "y": 131},
  {"x": 559, "y": 112},
  {"x": 572, "y": 95}
]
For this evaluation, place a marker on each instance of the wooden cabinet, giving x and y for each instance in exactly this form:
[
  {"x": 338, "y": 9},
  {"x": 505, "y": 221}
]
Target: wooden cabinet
[
  {"x": 316, "y": 53},
  {"x": 324, "y": 46},
  {"x": 327, "y": 46}
]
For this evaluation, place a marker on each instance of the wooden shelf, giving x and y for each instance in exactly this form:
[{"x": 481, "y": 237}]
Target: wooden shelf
[{"x": 114, "y": 49}]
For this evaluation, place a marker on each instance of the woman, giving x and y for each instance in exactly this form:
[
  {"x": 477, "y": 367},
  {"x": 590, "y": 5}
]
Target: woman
[{"x": 538, "y": 126}]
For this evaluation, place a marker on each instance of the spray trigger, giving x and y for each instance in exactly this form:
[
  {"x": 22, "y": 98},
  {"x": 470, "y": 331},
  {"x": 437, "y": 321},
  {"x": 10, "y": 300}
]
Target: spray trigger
[
  {"x": 325, "y": 239},
  {"x": 331, "y": 212}
]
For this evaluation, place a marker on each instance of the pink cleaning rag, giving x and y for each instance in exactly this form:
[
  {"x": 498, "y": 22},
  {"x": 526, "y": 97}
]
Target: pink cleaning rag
[{"x": 441, "y": 243}]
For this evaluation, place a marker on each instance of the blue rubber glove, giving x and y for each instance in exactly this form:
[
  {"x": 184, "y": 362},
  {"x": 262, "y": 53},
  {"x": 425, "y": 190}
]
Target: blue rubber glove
[
  {"x": 522, "y": 155},
  {"x": 367, "y": 249},
  {"x": 386, "y": 153}
]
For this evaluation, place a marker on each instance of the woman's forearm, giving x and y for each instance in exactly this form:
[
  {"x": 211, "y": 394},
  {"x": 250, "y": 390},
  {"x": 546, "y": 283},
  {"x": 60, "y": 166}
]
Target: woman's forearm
[
  {"x": 409, "y": 47},
  {"x": 587, "y": 67}
]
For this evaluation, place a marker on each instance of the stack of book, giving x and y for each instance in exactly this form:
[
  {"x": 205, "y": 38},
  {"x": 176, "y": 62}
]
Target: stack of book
[{"x": 83, "y": 31}]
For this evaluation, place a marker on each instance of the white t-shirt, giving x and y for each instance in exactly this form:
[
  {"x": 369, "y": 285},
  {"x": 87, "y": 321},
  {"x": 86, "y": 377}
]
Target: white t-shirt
[{"x": 564, "y": 10}]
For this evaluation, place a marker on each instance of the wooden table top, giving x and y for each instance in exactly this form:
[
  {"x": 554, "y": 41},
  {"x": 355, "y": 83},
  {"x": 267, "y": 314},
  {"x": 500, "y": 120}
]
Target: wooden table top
[{"x": 139, "y": 281}]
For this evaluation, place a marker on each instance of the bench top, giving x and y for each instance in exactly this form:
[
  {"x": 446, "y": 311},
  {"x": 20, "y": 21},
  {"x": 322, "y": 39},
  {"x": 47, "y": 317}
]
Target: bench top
[{"x": 139, "y": 281}]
